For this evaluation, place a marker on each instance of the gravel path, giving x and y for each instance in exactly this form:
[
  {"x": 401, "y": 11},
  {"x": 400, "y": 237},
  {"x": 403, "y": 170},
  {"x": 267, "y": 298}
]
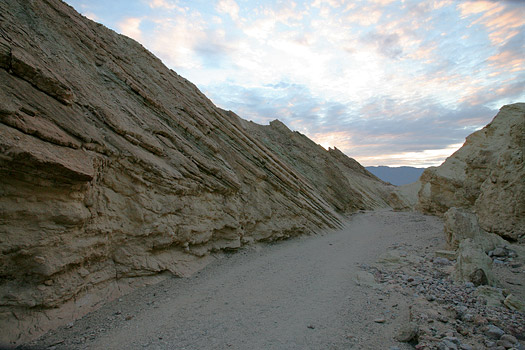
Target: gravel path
[{"x": 295, "y": 294}]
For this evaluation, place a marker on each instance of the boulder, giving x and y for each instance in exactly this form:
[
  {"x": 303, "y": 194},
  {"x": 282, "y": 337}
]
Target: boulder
[
  {"x": 484, "y": 176},
  {"x": 460, "y": 224},
  {"x": 473, "y": 265}
]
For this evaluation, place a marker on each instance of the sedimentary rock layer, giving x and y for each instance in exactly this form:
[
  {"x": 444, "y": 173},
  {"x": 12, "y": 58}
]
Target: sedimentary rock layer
[
  {"x": 486, "y": 176},
  {"x": 117, "y": 171}
]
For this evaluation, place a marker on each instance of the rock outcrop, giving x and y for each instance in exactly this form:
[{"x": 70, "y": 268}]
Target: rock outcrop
[
  {"x": 117, "y": 172},
  {"x": 347, "y": 184},
  {"x": 486, "y": 176}
]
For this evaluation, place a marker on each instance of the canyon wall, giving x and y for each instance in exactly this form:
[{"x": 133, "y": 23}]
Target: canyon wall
[
  {"x": 117, "y": 172},
  {"x": 486, "y": 176}
]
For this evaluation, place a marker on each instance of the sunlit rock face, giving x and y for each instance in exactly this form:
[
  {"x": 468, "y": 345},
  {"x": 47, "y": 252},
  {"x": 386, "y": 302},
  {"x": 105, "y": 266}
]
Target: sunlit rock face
[
  {"x": 486, "y": 175},
  {"x": 115, "y": 171}
]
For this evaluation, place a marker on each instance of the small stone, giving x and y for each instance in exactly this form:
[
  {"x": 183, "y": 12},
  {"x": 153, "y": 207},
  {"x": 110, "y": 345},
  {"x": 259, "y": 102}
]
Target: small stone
[
  {"x": 407, "y": 333},
  {"x": 462, "y": 330},
  {"x": 310, "y": 326},
  {"x": 466, "y": 347},
  {"x": 494, "y": 332},
  {"x": 467, "y": 317},
  {"x": 447, "y": 345},
  {"x": 441, "y": 261},
  {"x": 442, "y": 318},
  {"x": 379, "y": 320},
  {"x": 83, "y": 272},
  {"x": 509, "y": 338},
  {"x": 451, "y": 339},
  {"x": 505, "y": 343},
  {"x": 48, "y": 282},
  {"x": 499, "y": 252},
  {"x": 128, "y": 317}
]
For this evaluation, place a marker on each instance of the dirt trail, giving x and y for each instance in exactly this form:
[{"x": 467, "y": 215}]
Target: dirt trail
[{"x": 296, "y": 294}]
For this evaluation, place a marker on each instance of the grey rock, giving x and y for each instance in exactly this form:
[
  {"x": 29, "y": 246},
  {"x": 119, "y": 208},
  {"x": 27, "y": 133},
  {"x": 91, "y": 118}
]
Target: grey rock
[
  {"x": 500, "y": 252},
  {"x": 453, "y": 340},
  {"x": 441, "y": 261},
  {"x": 508, "y": 337},
  {"x": 505, "y": 343},
  {"x": 447, "y": 345},
  {"x": 494, "y": 332}
]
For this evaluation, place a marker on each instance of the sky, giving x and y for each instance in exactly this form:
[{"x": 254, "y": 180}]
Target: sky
[{"x": 388, "y": 82}]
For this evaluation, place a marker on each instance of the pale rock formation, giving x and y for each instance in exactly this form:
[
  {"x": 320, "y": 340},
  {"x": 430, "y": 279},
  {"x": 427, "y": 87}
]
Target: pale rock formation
[
  {"x": 460, "y": 224},
  {"x": 117, "y": 172},
  {"x": 485, "y": 175},
  {"x": 473, "y": 264}
]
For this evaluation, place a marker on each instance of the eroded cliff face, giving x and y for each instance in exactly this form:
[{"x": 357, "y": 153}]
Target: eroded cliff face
[
  {"x": 117, "y": 172},
  {"x": 485, "y": 176}
]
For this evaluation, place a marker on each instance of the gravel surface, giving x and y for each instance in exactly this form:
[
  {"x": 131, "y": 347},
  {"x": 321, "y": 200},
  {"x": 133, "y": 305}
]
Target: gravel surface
[{"x": 295, "y": 294}]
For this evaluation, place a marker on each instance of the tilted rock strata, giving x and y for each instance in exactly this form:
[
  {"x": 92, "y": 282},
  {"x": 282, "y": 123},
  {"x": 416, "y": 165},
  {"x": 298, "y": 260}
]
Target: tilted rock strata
[
  {"x": 347, "y": 184},
  {"x": 485, "y": 175},
  {"x": 116, "y": 171}
]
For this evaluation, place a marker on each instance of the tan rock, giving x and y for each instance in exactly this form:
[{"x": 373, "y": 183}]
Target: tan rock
[
  {"x": 473, "y": 264},
  {"x": 447, "y": 254},
  {"x": 460, "y": 224},
  {"x": 485, "y": 176},
  {"x": 514, "y": 303},
  {"x": 493, "y": 296}
]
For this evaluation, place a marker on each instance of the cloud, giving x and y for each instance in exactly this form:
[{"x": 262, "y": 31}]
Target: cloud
[
  {"x": 387, "y": 44},
  {"x": 165, "y": 4},
  {"x": 365, "y": 16},
  {"x": 383, "y": 80},
  {"x": 503, "y": 20},
  {"x": 229, "y": 7},
  {"x": 383, "y": 130},
  {"x": 91, "y": 16},
  {"x": 511, "y": 56},
  {"x": 131, "y": 27}
]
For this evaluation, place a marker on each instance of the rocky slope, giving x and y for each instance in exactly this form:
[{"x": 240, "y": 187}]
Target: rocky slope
[
  {"x": 485, "y": 176},
  {"x": 117, "y": 172}
]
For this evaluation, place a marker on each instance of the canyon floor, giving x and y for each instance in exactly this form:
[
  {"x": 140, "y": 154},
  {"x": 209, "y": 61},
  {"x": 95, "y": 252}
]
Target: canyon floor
[{"x": 296, "y": 294}]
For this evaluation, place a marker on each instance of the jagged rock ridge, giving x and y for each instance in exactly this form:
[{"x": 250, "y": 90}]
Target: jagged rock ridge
[
  {"x": 485, "y": 176},
  {"x": 116, "y": 171}
]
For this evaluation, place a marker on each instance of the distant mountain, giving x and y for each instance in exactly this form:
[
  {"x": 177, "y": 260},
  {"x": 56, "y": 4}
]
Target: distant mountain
[{"x": 398, "y": 175}]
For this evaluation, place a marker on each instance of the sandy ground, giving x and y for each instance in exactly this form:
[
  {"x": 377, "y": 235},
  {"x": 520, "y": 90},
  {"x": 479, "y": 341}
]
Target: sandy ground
[{"x": 295, "y": 294}]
